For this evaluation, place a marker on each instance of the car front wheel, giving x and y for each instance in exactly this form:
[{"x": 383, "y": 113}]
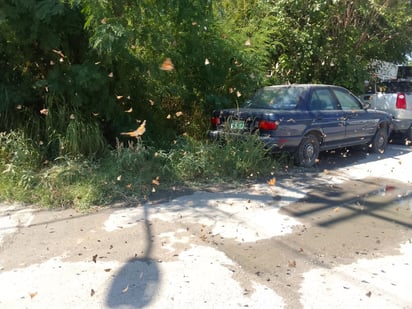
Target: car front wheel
[
  {"x": 379, "y": 141},
  {"x": 308, "y": 151}
]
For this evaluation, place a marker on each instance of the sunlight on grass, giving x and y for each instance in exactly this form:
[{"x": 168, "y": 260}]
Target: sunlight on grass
[{"x": 129, "y": 172}]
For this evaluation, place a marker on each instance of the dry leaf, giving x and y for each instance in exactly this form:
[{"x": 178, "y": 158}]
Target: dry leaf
[
  {"x": 248, "y": 43},
  {"x": 151, "y": 102},
  {"x": 207, "y": 61},
  {"x": 178, "y": 114},
  {"x": 167, "y": 65},
  {"x": 119, "y": 97},
  {"x": 92, "y": 292},
  {"x": 95, "y": 258},
  {"x": 129, "y": 110},
  {"x": 292, "y": 263},
  {"x": 110, "y": 74},
  {"x": 337, "y": 209},
  {"x": 33, "y": 294},
  {"x": 107, "y": 269},
  {"x": 271, "y": 182},
  {"x": 125, "y": 289},
  {"x": 72, "y": 116},
  {"x": 119, "y": 177},
  {"x": 168, "y": 116}
]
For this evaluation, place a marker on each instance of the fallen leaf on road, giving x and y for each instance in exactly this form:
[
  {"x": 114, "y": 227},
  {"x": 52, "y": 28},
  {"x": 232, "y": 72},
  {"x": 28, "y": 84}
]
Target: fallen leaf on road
[
  {"x": 292, "y": 263},
  {"x": 32, "y": 295},
  {"x": 94, "y": 258},
  {"x": 125, "y": 289}
]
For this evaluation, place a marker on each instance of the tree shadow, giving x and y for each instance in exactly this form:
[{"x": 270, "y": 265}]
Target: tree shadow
[
  {"x": 356, "y": 200},
  {"x": 137, "y": 282}
]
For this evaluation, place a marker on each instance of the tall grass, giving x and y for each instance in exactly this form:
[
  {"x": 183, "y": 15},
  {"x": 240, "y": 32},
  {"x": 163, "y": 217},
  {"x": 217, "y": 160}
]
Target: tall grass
[{"x": 130, "y": 172}]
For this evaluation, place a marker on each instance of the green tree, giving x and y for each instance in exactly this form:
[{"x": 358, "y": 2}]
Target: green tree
[{"x": 333, "y": 41}]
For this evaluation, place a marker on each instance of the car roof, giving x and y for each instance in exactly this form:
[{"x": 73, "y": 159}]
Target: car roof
[{"x": 302, "y": 86}]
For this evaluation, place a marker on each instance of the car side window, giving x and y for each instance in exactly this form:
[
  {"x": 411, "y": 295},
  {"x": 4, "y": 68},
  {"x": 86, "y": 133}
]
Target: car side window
[
  {"x": 322, "y": 99},
  {"x": 346, "y": 100}
]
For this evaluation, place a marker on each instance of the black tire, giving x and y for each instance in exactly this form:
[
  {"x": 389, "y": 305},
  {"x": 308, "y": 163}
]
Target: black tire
[
  {"x": 379, "y": 141},
  {"x": 409, "y": 135},
  {"x": 308, "y": 151}
]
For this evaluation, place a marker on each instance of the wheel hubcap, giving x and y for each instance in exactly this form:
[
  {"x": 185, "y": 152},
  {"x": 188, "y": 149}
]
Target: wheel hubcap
[{"x": 309, "y": 151}]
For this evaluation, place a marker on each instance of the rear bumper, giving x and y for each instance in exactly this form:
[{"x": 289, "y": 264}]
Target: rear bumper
[
  {"x": 275, "y": 144},
  {"x": 401, "y": 125}
]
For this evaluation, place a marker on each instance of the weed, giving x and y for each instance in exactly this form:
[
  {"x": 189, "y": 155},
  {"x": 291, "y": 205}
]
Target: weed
[{"x": 129, "y": 172}]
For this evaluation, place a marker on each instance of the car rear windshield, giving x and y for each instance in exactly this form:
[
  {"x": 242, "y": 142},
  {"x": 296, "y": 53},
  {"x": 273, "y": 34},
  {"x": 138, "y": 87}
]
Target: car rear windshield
[
  {"x": 278, "y": 98},
  {"x": 394, "y": 86}
]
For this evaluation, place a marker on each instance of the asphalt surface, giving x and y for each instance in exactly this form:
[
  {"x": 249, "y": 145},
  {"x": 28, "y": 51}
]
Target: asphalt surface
[{"x": 336, "y": 235}]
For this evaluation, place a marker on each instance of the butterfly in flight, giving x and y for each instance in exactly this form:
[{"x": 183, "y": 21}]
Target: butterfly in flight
[{"x": 138, "y": 132}]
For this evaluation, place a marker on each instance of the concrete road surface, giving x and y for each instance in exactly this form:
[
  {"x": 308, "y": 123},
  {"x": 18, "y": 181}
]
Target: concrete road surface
[{"x": 334, "y": 236}]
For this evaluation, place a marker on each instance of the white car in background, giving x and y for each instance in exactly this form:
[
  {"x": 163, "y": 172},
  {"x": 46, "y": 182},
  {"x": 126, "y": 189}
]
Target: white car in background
[{"x": 395, "y": 98}]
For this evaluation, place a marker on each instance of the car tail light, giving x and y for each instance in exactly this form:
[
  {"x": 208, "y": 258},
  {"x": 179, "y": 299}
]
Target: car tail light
[
  {"x": 214, "y": 121},
  {"x": 401, "y": 101},
  {"x": 268, "y": 125}
]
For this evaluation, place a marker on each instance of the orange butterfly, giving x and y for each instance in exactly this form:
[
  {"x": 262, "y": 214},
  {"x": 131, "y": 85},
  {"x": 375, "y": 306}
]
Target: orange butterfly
[
  {"x": 167, "y": 65},
  {"x": 138, "y": 132}
]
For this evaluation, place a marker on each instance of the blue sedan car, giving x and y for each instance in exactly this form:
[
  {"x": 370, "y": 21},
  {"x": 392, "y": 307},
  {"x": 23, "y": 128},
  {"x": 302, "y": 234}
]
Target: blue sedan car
[{"x": 304, "y": 119}]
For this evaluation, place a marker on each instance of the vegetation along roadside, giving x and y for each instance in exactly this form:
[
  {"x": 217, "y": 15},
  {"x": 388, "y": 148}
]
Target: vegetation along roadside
[{"x": 101, "y": 101}]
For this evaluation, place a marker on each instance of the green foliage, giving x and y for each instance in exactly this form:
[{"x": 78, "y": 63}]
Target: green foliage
[
  {"x": 17, "y": 151},
  {"x": 333, "y": 41},
  {"x": 128, "y": 173},
  {"x": 190, "y": 160}
]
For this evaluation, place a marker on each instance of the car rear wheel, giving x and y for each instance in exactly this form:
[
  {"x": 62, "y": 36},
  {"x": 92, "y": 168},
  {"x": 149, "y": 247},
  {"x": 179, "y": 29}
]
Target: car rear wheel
[
  {"x": 308, "y": 151},
  {"x": 379, "y": 141},
  {"x": 409, "y": 134}
]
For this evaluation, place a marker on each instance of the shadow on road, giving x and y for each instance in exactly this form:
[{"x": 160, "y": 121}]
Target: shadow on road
[
  {"x": 137, "y": 282},
  {"x": 376, "y": 198}
]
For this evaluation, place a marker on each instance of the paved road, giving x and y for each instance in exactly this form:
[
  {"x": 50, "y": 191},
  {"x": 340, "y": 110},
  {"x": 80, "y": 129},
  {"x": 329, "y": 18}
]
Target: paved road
[{"x": 337, "y": 235}]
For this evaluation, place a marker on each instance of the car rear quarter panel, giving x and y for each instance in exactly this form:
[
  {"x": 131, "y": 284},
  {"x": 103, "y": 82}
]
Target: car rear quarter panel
[{"x": 387, "y": 102}]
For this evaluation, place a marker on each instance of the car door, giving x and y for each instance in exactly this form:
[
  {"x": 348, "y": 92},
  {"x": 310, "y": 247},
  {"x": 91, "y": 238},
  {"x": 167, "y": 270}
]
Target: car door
[
  {"x": 327, "y": 116},
  {"x": 359, "y": 123}
]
